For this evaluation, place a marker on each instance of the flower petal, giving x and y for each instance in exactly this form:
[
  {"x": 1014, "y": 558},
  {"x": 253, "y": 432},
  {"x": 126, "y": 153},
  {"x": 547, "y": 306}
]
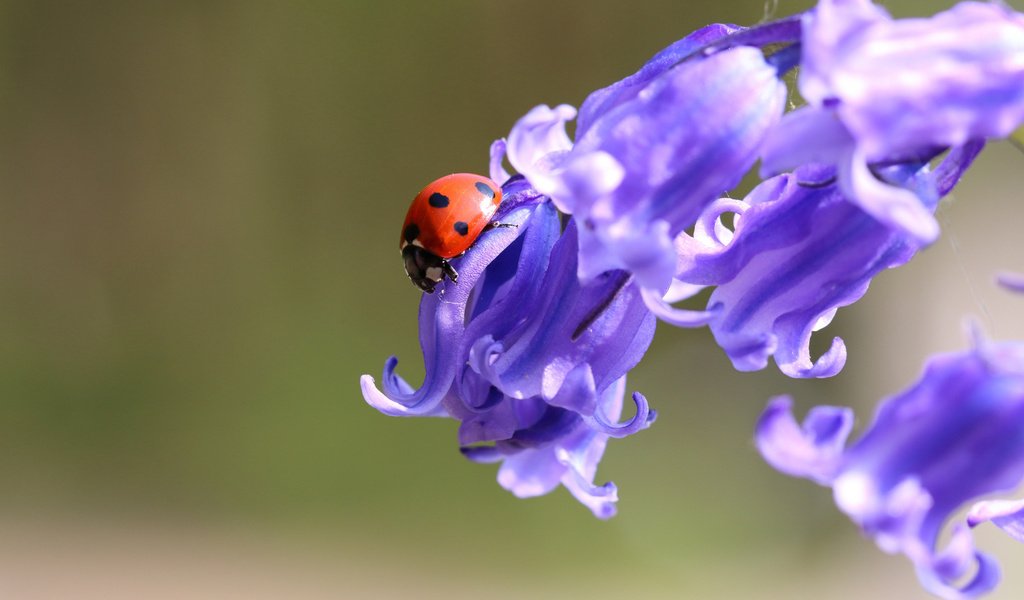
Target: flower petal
[
  {"x": 890, "y": 204},
  {"x": 497, "y": 171},
  {"x": 1011, "y": 281},
  {"x": 676, "y": 316},
  {"x": 1007, "y": 514},
  {"x": 806, "y": 135},
  {"x": 643, "y": 419},
  {"x": 941, "y": 576},
  {"x": 531, "y": 473},
  {"x": 812, "y": 450},
  {"x": 605, "y": 99},
  {"x": 600, "y": 499},
  {"x": 602, "y": 323},
  {"x": 578, "y": 392}
]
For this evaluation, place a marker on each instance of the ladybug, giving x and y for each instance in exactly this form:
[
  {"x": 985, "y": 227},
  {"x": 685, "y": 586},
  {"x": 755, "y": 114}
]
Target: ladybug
[{"x": 443, "y": 222}]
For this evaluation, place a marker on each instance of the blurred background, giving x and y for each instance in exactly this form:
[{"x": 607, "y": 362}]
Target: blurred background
[{"x": 199, "y": 207}]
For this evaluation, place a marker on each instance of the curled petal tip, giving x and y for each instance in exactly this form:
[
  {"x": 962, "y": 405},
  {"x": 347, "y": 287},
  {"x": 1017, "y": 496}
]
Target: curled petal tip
[
  {"x": 813, "y": 449},
  {"x": 538, "y": 142},
  {"x": 641, "y": 420},
  {"x": 943, "y": 575},
  {"x": 827, "y": 365},
  {"x": 676, "y": 316},
  {"x": 600, "y": 499},
  {"x": 893, "y": 205},
  {"x": 379, "y": 400},
  {"x": 652, "y": 416},
  {"x": 1011, "y": 281},
  {"x": 482, "y": 454},
  {"x": 498, "y": 172},
  {"x": 1008, "y": 515}
]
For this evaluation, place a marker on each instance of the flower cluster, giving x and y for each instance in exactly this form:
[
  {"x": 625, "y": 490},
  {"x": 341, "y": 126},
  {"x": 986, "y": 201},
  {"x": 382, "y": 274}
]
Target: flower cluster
[{"x": 632, "y": 214}]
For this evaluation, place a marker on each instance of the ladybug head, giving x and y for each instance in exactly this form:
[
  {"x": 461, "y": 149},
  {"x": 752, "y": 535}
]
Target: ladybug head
[{"x": 424, "y": 268}]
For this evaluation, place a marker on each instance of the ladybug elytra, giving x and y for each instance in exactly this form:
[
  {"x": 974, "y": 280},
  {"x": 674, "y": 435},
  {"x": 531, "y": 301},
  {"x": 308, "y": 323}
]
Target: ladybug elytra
[{"x": 444, "y": 220}]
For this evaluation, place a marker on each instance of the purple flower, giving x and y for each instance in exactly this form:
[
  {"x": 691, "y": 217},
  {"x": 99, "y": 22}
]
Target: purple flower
[
  {"x": 950, "y": 439},
  {"x": 881, "y": 90},
  {"x": 799, "y": 252},
  {"x": 531, "y": 361},
  {"x": 651, "y": 151}
]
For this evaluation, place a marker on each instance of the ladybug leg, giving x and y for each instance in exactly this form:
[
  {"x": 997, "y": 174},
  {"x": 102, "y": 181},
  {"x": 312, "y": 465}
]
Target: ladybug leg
[
  {"x": 450, "y": 271},
  {"x": 497, "y": 224}
]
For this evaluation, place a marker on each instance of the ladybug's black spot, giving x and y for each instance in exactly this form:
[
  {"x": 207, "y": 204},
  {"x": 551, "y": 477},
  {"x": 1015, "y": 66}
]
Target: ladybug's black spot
[
  {"x": 461, "y": 227},
  {"x": 485, "y": 189},
  {"x": 438, "y": 200},
  {"x": 412, "y": 231}
]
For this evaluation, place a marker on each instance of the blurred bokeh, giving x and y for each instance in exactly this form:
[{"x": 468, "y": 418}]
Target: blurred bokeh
[{"x": 199, "y": 206}]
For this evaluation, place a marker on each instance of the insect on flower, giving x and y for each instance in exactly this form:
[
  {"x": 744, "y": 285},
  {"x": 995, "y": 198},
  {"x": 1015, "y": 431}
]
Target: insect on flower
[{"x": 444, "y": 220}]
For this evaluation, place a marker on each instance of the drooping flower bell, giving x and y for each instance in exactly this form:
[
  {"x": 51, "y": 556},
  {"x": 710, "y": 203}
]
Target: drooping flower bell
[
  {"x": 798, "y": 252},
  {"x": 531, "y": 361},
  {"x": 882, "y": 91},
  {"x": 651, "y": 151},
  {"x": 952, "y": 438}
]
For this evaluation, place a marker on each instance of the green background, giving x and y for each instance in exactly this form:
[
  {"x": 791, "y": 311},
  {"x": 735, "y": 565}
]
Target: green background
[{"x": 199, "y": 212}]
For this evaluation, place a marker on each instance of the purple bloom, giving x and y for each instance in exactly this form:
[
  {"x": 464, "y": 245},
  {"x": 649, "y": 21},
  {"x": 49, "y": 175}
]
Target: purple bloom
[
  {"x": 950, "y": 439},
  {"x": 531, "y": 361},
  {"x": 881, "y": 90},
  {"x": 651, "y": 151},
  {"x": 798, "y": 253}
]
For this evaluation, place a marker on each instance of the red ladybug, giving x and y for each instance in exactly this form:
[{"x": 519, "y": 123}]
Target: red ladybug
[{"x": 443, "y": 222}]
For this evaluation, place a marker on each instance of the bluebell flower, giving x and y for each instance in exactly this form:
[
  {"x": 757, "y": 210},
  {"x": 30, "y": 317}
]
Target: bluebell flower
[
  {"x": 651, "y": 151},
  {"x": 952, "y": 438},
  {"x": 528, "y": 359},
  {"x": 798, "y": 252},
  {"x": 881, "y": 90}
]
